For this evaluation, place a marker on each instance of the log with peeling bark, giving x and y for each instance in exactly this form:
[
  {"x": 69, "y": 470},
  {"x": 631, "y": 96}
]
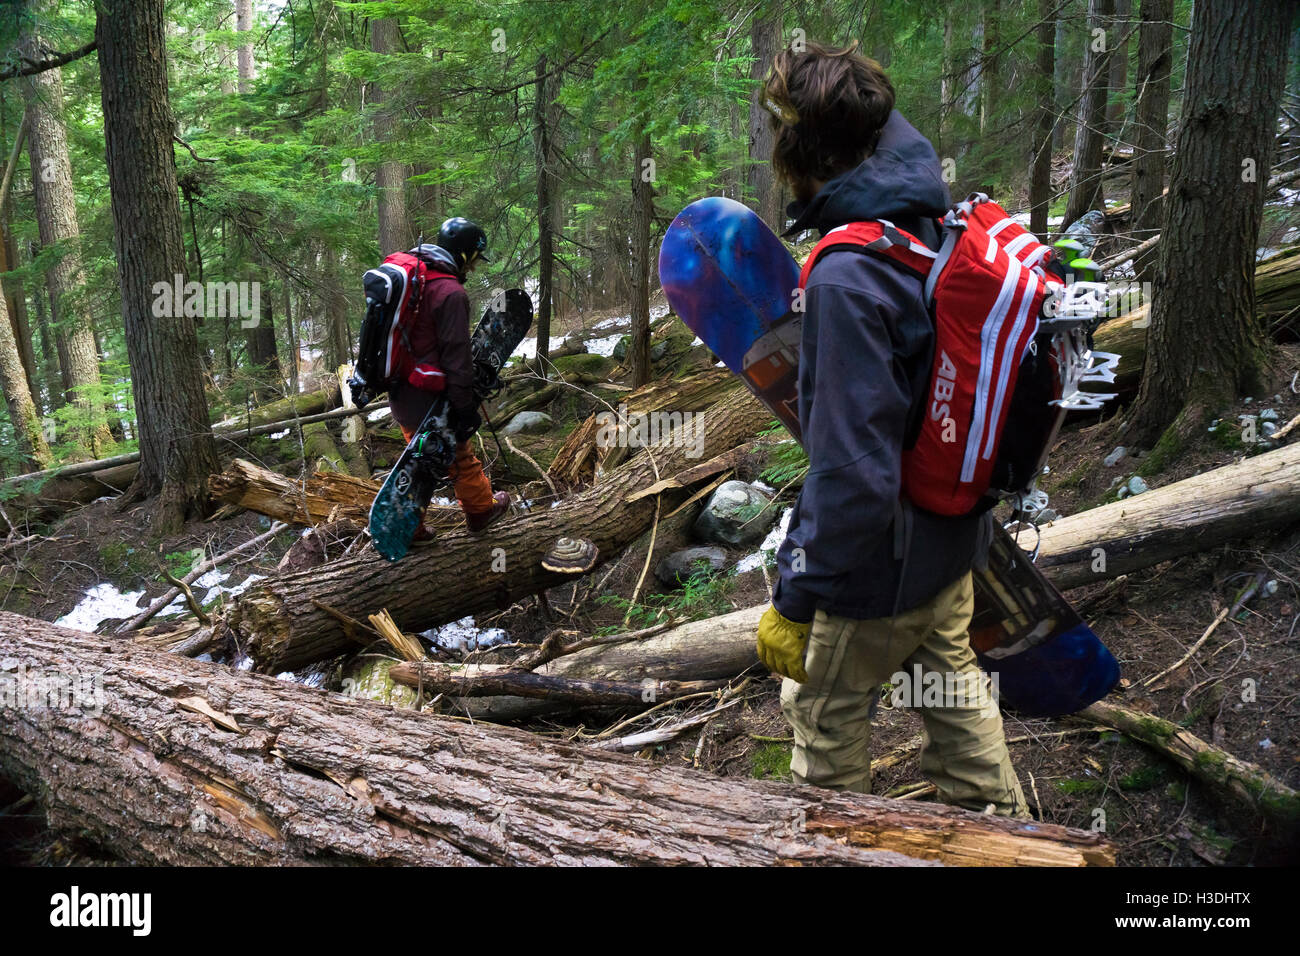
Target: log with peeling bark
[
  {"x": 440, "y": 679},
  {"x": 1251, "y": 496},
  {"x": 289, "y": 621},
  {"x": 193, "y": 763},
  {"x": 323, "y": 496},
  {"x": 580, "y": 458}
]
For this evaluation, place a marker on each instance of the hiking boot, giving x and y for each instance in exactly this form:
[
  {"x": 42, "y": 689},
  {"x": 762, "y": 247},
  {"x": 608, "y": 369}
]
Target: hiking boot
[
  {"x": 501, "y": 504},
  {"x": 423, "y": 533}
]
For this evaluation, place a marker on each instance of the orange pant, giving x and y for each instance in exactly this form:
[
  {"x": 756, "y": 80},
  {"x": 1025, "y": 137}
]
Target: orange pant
[{"x": 473, "y": 489}]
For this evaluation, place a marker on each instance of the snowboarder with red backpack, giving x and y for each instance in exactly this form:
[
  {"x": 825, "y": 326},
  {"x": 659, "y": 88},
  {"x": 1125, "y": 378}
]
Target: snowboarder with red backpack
[
  {"x": 870, "y": 585},
  {"x": 439, "y": 341}
]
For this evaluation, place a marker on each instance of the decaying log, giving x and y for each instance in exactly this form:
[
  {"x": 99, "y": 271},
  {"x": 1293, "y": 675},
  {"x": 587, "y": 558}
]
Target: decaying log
[
  {"x": 1195, "y": 514},
  {"x": 324, "y": 496},
  {"x": 580, "y": 458},
  {"x": 1237, "y": 781},
  {"x": 284, "y": 621},
  {"x": 192, "y": 763},
  {"x": 305, "y": 403},
  {"x": 440, "y": 679}
]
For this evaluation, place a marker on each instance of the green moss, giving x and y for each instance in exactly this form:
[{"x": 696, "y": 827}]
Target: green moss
[
  {"x": 1074, "y": 787},
  {"x": 1143, "y": 778},
  {"x": 771, "y": 762},
  {"x": 588, "y": 366},
  {"x": 1168, "y": 448}
]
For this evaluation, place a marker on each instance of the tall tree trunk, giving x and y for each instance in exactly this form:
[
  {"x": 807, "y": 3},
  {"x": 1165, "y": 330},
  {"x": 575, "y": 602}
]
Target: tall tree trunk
[
  {"x": 544, "y": 123},
  {"x": 1085, "y": 181},
  {"x": 394, "y": 229},
  {"x": 177, "y": 449},
  {"x": 16, "y": 302},
  {"x": 18, "y": 398},
  {"x": 338, "y": 337},
  {"x": 765, "y": 41},
  {"x": 1118, "y": 81},
  {"x": 1206, "y": 345},
  {"x": 1062, "y": 74},
  {"x": 244, "y": 52},
  {"x": 56, "y": 216},
  {"x": 638, "y": 352},
  {"x": 52, "y": 376},
  {"x": 1040, "y": 169},
  {"x": 292, "y": 331},
  {"x": 263, "y": 353},
  {"x": 1155, "y": 57}
]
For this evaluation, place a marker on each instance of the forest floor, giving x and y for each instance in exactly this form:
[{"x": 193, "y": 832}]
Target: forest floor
[{"x": 1073, "y": 773}]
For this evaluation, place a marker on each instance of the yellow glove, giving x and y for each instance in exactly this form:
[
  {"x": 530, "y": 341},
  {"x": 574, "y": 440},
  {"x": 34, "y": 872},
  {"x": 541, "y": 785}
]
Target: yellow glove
[{"x": 781, "y": 644}]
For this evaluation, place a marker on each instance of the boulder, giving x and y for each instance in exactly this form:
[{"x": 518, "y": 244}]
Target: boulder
[
  {"x": 527, "y": 422},
  {"x": 736, "y": 514},
  {"x": 675, "y": 569}
]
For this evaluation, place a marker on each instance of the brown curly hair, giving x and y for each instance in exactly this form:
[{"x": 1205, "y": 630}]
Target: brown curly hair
[{"x": 828, "y": 107}]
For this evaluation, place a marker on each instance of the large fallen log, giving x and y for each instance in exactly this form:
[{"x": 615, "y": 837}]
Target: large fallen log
[
  {"x": 324, "y": 496},
  {"x": 175, "y": 761},
  {"x": 291, "y": 620},
  {"x": 1195, "y": 514},
  {"x": 580, "y": 458},
  {"x": 304, "y": 403}
]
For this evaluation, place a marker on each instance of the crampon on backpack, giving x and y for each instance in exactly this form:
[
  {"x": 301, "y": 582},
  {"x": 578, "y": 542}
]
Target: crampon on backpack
[
  {"x": 384, "y": 358},
  {"x": 1010, "y": 351}
]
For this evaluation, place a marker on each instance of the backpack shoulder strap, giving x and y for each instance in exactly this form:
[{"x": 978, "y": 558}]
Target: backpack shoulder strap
[{"x": 876, "y": 237}]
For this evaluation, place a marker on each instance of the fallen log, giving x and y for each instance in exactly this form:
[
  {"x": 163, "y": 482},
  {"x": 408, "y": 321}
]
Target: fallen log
[
  {"x": 173, "y": 761},
  {"x": 1195, "y": 514},
  {"x": 581, "y": 458},
  {"x": 324, "y": 496},
  {"x": 289, "y": 407},
  {"x": 287, "y": 622},
  {"x": 440, "y": 679},
  {"x": 1237, "y": 781}
]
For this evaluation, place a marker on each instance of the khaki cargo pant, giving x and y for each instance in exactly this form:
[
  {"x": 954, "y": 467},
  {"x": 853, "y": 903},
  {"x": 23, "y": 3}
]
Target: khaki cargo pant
[{"x": 963, "y": 753}]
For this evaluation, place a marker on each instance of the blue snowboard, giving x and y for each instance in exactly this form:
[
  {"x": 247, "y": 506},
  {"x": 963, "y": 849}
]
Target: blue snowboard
[{"x": 733, "y": 282}]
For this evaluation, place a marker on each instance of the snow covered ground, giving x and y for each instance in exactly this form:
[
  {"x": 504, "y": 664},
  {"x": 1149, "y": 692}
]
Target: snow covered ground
[
  {"x": 752, "y": 562},
  {"x": 465, "y": 635}
]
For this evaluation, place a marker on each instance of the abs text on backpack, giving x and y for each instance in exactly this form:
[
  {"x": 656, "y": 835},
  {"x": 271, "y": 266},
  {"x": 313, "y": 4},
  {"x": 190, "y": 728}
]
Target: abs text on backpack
[
  {"x": 393, "y": 293},
  {"x": 985, "y": 288}
]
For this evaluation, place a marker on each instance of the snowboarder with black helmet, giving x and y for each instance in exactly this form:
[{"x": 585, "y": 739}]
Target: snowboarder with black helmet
[{"x": 440, "y": 340}]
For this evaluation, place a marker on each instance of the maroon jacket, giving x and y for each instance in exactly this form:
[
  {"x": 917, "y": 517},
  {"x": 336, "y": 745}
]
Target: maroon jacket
[{"x": 439, "y": 337}]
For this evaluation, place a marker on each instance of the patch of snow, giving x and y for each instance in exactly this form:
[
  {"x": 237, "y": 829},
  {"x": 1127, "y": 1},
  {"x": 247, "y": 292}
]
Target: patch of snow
[
  {"x": 606, "y": 323},
  {"x": 752, "y": 562},
  {"x": 442, "y": 502},
  {"x": 528, "y": 347},
  {"x": 377, "y": 414},
  {"x": 101, "y": 603},
  {"x": 276, "y": 436},
  {"x": 604, "y": 346},
  {"x": 697, "y": 341},
  {"x": 464, "y": 635},
  {"x": 242, "y": 663}
]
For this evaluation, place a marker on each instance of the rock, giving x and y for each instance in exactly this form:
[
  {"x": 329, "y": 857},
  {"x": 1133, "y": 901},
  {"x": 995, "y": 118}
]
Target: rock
[
  {"x": 1111, "y": 460},
  {"x": 675, "y": 569},
  {"x": 527, "y": 422},
  {"x": 736, "y": 514},
  {"x": 1134, "y": 486},
  {"x": 620, "y": 350},
  {"x": 1268, "y": 415}
]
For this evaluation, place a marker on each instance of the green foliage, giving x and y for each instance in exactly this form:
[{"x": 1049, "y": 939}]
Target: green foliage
[
  {"x": 703, "y": 595},
  {"x": 786, "y": 461}
]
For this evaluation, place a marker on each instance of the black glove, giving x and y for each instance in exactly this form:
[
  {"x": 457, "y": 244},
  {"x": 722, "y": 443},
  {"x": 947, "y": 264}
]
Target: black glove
[{"x": 467, "y": 422}]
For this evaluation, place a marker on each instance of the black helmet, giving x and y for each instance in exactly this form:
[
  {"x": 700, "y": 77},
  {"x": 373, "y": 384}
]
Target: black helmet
[{"x": 464, "y": 239}]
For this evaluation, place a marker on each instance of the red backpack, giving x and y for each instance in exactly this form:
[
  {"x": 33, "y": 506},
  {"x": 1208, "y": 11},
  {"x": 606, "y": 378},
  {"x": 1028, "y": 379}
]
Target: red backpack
[
  {"x": 393, "y": 293},
  {"x": 985, "y": 288}
]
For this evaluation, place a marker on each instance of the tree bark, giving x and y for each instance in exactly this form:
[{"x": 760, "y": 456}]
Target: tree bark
[
  {"x": 765, "y": 41},
  {"x": 1040, "y": 169},
  {"x": 192, "y": 763},
  {"x": 1118, "y": 80},
  {"x": 177, "y": 449},
  {"x": 244, "y": 52},
  {"x": 23, "y": 416},
  {"x": 638, "y": 353},
  {"x": 1155, "y": 59},
  {"x": 390, "y": 179},
  {"x": 544, "y": 123},
  {"x": 338, "y": 336},
  {"x": 1206, "y": 344},
  {"x": 56, "y": 217},
  {"x": 286, "y": 620},
  {"x": 1085, "y": 181}
]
